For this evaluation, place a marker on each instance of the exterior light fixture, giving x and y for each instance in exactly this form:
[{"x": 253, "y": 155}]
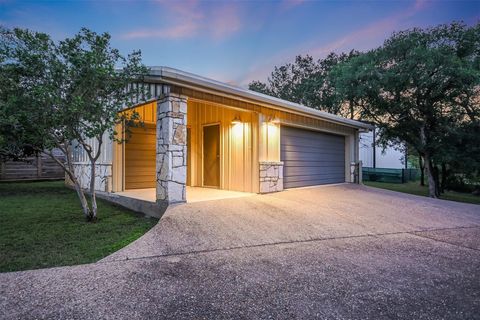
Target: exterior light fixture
[
  {"x": 273, "y": 119},
  {"x": 236, "y": 120}
]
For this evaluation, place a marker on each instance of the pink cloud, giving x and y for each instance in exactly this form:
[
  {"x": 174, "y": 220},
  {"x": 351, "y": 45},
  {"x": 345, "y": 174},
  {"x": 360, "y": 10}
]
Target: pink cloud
[
  {"x": 179, "y": 31},
  {"x": 187, "y": 9},
  {"x": 225, "y": 21},
  {"x": 369, "y": 35},
  {"x": 364, "y": 35},
  {"x": 288, "y": 4},
  {"x": 364, "y": 38},
  {"x": 420, "y": 4},
  {"x": 191, "y": 19}
]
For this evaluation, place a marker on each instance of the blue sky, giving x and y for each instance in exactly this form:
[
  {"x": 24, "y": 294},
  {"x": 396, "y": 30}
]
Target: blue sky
[{"x": 235, "y": 41}]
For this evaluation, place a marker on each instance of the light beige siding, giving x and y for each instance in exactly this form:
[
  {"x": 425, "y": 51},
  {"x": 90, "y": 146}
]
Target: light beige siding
[
  {"x": 134, "y": 160},
  {"x": 242, "y": 146},
  {"x": 117, "y": 162},
  {"x": 238, "y": 150},
  {"x": 269, "y": 144},
  {"x": 140, "y": 156}
]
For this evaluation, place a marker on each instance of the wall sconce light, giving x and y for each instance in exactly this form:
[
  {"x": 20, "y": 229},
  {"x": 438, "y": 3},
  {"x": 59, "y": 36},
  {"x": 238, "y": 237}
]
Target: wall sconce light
[
  {"x": 273, "y": 119},
  {"x": 236, "y": 120}
]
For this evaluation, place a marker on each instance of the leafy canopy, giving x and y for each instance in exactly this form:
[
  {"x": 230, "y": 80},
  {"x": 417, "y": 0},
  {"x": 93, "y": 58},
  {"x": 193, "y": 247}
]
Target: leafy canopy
[
  {"x": 308, "y": 82},
  {"x": 65, "y": 95},
  {"x": 53, "y": 93},
  {"x": 422, "y": 87}
]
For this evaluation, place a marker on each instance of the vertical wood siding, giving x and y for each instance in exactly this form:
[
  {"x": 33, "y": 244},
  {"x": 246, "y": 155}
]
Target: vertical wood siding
[
  {"x": 238, "y": 155},
  {"x": 146, "y": 112},
  {"x": 285, "y": 117},
  {"x": 139, "y": 152},
  {"x": 242, "y": 147},
  {"x": 140, "y": 158}
]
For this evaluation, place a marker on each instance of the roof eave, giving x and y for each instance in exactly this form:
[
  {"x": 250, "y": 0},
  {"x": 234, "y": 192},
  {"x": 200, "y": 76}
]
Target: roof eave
[{"x": 178, "y": 77}]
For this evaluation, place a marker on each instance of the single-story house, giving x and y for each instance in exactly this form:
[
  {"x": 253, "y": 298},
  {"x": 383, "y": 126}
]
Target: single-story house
[
  {"x": 373, "y": 155},
  {"x": 202, "y": 133}
]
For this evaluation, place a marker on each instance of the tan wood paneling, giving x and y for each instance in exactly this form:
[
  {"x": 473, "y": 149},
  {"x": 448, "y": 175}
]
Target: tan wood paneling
[
  {"x": 269, "y": 142},
  {"x": 117, "y": 162},
  {"x": 242, "y": 146},
  {"x": 140, "y": 156},
  {"x": 189, "y": 159},
  {"x": 146, "y": 112},
  {"x": 238, "y": 167},
  {"x": 134, "y": 164},
  {"x": 266, "y": 143},
  {"x": 283, "y": 116}
]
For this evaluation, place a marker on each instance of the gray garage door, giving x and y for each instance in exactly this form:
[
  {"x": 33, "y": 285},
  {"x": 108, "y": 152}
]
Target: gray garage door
[{"x": 311, "y": 157}]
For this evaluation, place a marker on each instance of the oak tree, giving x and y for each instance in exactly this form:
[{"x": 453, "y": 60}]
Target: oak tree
[{"x": 66, "y": 95}]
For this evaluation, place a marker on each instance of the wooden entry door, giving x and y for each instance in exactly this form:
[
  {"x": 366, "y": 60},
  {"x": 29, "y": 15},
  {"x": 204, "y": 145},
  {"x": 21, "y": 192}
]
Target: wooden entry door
[{"x": 211, "y": 156}]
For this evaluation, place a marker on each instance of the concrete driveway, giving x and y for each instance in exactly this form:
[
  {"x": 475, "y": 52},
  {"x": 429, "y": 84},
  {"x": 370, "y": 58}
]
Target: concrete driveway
[{"x": 337, "y": 252}]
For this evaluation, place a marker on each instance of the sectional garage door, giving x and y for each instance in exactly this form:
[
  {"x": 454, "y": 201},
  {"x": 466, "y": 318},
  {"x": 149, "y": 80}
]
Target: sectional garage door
[
  {"x": 140, "y": 159},
  {"x": 311, "y": 157}
]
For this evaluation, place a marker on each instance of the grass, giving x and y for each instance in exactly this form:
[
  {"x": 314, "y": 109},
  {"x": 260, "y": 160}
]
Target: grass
[
  {"x": 415, "y": 188},
  {"x": 42, "y": 225}
]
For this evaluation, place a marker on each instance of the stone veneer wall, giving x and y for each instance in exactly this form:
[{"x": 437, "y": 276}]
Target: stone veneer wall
[
  {"x": 271, "y": 176},
  {"x": 356, "y": 172},
  {"x": 103, "y": 176},
  {"x": 171, "y": 149}
]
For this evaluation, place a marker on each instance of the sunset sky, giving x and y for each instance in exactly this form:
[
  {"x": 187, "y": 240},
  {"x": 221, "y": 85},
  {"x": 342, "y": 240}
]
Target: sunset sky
[{"x": 235, "y": 41}]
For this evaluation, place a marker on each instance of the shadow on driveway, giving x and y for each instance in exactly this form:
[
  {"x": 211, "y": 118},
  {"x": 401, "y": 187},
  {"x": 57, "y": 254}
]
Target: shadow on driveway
[
  {"x": 343, "y": 252},
  {"x": 317, "y": 213}
]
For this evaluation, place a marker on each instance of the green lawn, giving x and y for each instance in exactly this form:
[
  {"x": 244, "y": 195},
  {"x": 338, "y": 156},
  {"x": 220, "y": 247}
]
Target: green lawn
[
  {"x": 415, "y": 188},
  {"x": 42, "y": 225}
]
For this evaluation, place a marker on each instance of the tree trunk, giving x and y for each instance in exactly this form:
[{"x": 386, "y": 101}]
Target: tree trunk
[
  {"x": 436, "y": 177},
  {"x": 93, "y": 215},
  {"x": 422, "y": 170},
  {"x": 431, "y": 178},
  {"x": 443, "y": 184},
  {"x": 83, "y": 199},
  {"x": 351, "y": 110},
  {"x": 71, "y": 172},
  {"x": 68, "y": 169}
]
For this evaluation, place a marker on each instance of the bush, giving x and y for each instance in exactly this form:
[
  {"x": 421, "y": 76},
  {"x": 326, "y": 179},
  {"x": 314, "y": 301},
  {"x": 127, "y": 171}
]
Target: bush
[{"x": 457, "y": 182}]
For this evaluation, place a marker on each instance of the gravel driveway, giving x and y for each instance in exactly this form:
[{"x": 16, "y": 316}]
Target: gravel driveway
[{"x": 337, "y": 252}]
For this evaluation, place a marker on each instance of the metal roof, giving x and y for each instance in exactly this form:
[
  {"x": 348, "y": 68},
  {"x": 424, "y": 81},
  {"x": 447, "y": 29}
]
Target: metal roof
[{"x": 181, "y": 78}]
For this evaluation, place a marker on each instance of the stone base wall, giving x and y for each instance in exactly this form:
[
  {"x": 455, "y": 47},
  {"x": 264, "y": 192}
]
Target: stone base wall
[
  {"x": 356, "y": 172},
  {"x": 103, "y": 176},
  {"x": 271, "y": 176}
]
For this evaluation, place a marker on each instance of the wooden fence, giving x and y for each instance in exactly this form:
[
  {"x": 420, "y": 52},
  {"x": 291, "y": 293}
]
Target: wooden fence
[{"x": 41, "y": 167}]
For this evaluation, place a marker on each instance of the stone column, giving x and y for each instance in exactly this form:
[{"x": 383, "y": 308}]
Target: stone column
[
  {"x": 360, "y": 172},
  {"x": 353, "y": 172},
  {"x": 171, "y": 149}
]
